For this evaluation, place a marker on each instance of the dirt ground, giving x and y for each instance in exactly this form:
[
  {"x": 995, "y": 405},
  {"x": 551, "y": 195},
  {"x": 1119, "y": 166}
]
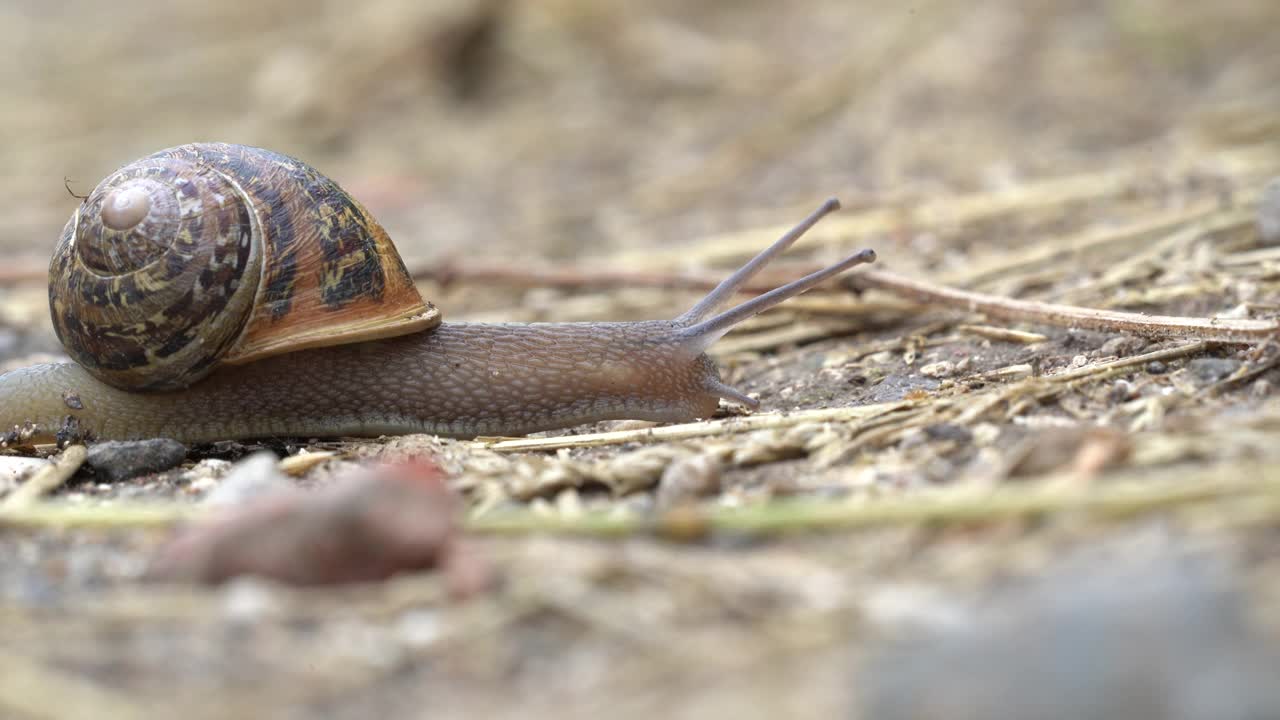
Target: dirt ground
[{"x": 910, "y": 459}]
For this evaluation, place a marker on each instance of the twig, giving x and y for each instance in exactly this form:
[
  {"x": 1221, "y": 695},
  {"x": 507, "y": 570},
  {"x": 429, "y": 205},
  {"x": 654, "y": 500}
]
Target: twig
[
  {"x": 1001, "y": 334},
  {"x": 864, "y": 414},
  {"x": 1107, "y": 500},
  {"x": 46, "y": 479},
  {"x": 1127, "y": 492},
  {"x": 688, "y": 431},
  {"x": 1104, "y": 370},
  {"x": 1222, "y": 330},
  {"x": 132, "y": 516},
  {"x": 1247, "y": 374}
]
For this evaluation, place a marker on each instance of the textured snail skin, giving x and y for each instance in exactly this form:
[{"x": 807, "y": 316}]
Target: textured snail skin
[{"x": 460, "y": 380}]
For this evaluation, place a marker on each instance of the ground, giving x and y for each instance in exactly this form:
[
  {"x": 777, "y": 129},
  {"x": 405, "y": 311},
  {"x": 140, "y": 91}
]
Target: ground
[{"x": 910, "y": 458}]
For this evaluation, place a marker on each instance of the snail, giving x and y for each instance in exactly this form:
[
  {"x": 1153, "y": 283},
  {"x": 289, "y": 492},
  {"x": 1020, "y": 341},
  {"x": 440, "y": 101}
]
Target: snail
[{"x": 213, "y": 292}]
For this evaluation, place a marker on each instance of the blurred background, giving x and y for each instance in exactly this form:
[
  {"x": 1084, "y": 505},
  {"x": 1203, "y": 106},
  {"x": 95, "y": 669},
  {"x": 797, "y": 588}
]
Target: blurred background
[{"x": 554, "y": 128}]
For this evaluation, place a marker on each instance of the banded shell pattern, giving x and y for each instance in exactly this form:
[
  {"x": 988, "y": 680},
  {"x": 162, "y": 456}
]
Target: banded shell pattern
[{"x": 213, "y": 253}]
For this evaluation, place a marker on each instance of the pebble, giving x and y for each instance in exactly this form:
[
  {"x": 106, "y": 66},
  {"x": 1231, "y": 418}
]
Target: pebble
[
  {"x": 1122, "y": 346},
  {"x": 248, "y": 600},
  {"x": 206, "y": 475},
  {"x": 116, "y": 461},
  {"x": 253, "y": 477},
  {"x": 940, "y": 369},
  {"x": 1156, "y": 367},
  {"x": 1211, "y": 370},
  {"x": 949, "y": 431},
  {"x": 420, "y": 628},
  {"x": 1122, "y": 391},
  {"x": 688, "y": 479}
]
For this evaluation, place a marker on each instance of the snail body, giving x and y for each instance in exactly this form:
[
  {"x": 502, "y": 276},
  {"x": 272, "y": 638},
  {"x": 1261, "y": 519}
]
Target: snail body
[{"x": 212, "y": 292}]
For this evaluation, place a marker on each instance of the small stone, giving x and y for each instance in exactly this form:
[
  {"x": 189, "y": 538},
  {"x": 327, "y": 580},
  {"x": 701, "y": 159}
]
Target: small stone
[
  {"x": 687, "y": 479},
  {"x": 985, "y": 434},
  {"x": 211, "y": 468},
  {"x": 1211, "y": 370},
  {"x": 949, "y": 431},
  {"x": 1122, "y": 391},
  {"x": 1122, "y": 346},
  {"x": 116, "y": 461},
  {"x": 248, "y": 600},
  {"x": 250, "y": 478},
  {"x": 940, "y": 369},
  {"x": 1260, "y": 388},
  {"x": 1155, "y": 367},
  {"x": 1084, "y": 450},
  {"x": 420, "y": 628}
]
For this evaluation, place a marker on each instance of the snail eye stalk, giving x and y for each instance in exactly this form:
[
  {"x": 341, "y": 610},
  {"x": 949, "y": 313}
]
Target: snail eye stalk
[{"x": 701, "y": 328}]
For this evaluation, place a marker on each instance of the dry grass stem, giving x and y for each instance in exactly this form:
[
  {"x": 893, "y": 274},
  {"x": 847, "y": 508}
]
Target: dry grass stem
[
  {"x": 120, "y": 516},
  {"x": 1111, "y": 367},
  {"x": 1001, "y": 334},
  {"x": 687, "y": 431},
  {"x": 970, "y": 405},
  {"x": 1224, "y": 330},
  {"x": 1123, "y": 493},
  {"x": 1105, "y": 500},
  {"x": 46, "y": 479}
]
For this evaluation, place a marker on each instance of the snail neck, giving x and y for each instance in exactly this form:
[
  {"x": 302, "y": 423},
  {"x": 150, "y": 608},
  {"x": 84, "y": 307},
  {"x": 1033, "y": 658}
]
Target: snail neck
[{"x": 512, "y": 378}]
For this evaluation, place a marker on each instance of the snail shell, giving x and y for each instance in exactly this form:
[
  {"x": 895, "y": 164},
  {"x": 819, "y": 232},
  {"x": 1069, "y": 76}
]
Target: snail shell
[{"x": 210, "y": 253}]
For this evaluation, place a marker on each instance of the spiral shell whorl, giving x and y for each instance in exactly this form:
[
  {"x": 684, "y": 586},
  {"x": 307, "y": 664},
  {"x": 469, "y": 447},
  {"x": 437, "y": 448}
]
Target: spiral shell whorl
[
  {"x": 212, "y": 253},
  {"x": 147, "y": 306}
]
